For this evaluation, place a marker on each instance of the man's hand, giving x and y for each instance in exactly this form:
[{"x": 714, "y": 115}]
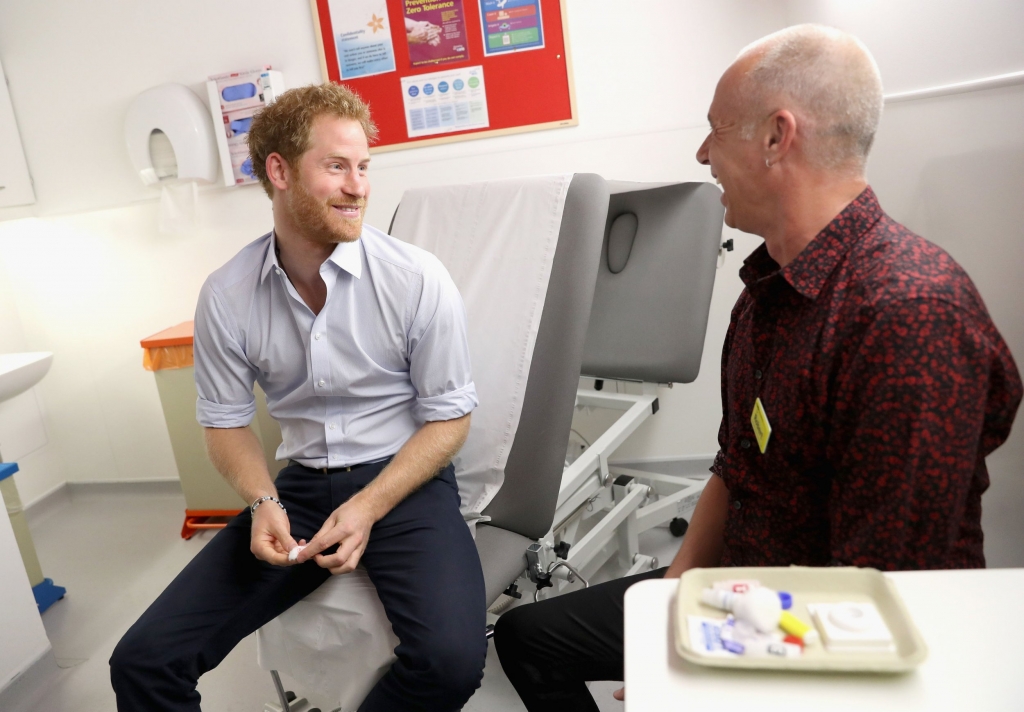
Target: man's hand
[
  {"x": 349, "y": 527},
  {"x": 271, "y": 535},
  {"x": 423, "y": 456}
]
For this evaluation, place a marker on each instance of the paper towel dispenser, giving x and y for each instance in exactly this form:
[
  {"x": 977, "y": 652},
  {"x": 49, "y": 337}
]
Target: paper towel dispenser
[{"x": 174, "y": 111}]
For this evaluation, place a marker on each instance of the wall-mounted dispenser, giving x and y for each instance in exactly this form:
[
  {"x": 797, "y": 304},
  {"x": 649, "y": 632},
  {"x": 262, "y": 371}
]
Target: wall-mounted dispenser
[
  {"x": 184, "y": 120},
  {"x": 234, "y": 99}
]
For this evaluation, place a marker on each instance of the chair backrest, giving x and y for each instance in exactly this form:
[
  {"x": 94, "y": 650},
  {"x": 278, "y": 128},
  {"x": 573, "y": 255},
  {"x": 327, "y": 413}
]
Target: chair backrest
[
  {"x": 525, "y": 504},
  {"x": 654, "y": 282}
]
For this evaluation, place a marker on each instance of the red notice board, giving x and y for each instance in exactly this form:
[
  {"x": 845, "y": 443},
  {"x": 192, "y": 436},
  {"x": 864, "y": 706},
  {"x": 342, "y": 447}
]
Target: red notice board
[{"x": 527, "y": 89}]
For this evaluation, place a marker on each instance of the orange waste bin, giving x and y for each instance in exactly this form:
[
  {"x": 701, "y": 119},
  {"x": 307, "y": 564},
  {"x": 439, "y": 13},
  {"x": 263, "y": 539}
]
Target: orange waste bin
[{"x": 209, "y": 500}]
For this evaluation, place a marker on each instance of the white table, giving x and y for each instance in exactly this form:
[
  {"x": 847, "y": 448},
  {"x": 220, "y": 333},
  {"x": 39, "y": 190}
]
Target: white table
[{"x": 972, "y": 622}]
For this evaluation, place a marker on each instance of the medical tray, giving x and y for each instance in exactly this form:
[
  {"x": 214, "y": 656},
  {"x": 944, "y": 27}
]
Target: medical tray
[{"x": 806, "y": 585}]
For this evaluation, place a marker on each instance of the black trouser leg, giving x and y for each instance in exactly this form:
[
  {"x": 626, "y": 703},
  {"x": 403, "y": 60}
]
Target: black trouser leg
[
  {"x": 420, "y": 556},
  {"x": 424, "y": 564},
  {"x": 221, "y": 596},
  {"x": 551, "y": 649}
]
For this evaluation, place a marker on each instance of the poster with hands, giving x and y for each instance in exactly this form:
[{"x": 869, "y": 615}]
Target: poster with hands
[{"x": 435, "y": 31}]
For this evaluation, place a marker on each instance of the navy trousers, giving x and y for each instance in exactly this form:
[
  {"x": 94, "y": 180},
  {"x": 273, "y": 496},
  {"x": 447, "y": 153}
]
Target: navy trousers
[{"x": 421, "y": 558}]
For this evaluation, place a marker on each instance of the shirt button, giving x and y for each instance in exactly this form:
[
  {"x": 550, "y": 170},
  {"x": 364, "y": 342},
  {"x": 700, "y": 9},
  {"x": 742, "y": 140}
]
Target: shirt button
[
  {"x": 736, "y": 504},
  {"x": 316, "y": 336},
  {"x": 332, "y": 426},
  {"x": 744, "y": 443},
  {"x": 758, "y": 374},
  {"x": 278, "y": 270},
  {"x": 321, "y": 383}
]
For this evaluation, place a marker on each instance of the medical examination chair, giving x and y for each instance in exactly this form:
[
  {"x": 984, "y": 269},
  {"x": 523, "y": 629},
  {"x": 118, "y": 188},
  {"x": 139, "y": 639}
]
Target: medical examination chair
[
  {"x": 659, "y": 258},
  {"x": 622, "y": 239}
]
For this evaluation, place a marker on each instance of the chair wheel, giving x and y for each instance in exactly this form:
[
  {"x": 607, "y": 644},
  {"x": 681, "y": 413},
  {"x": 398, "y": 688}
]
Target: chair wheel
[
  {"x": 678, "y": 526},
  {"x": 290, "y": 696}
]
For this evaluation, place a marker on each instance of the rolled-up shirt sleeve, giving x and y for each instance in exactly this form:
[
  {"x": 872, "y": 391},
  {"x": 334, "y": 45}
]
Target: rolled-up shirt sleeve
[
  {"x": 224, "y": 376},
  {"x": 439, "y": 363}
]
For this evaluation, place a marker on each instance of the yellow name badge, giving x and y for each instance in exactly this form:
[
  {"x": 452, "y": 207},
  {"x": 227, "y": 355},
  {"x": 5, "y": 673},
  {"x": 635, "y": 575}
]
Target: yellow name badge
[{"x": 762, "y": 428}]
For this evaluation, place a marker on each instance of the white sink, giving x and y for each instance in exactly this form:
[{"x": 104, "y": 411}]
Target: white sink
[{"x": 19, "y": 372}]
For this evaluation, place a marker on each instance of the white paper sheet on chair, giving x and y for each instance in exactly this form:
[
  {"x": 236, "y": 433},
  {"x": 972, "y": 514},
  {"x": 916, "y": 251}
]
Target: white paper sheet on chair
[
  {"x": 336, "y": 642},
  {"x": 497, "y": 241}
]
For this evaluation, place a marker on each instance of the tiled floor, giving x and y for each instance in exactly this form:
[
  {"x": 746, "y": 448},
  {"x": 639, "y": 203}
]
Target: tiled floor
[{"x": 115, "y": 551}]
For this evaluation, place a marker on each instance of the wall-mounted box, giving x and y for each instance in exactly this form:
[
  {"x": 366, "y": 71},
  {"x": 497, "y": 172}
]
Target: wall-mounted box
[
  {"x": 15, "y": 182},
  {"x": 234, "y": 99}
]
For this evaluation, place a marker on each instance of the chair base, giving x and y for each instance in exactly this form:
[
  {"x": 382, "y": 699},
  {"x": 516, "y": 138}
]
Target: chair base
[
  {"x": 624, "y": 502},
  {"x": 197, "y": 520}
]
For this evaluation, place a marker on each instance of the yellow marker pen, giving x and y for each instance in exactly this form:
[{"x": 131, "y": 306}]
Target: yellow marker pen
[{"x": 798, "y": 629}]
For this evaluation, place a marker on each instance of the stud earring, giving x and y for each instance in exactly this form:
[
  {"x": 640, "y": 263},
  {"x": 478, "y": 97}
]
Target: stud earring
[{"x": 767, "y": 163}]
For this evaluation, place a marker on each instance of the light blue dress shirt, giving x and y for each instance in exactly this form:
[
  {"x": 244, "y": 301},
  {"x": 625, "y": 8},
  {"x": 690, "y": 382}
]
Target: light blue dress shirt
[{"x": 387, "y": 353}]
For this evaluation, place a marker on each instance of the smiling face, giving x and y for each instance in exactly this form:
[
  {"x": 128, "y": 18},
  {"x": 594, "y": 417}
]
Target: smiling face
[
  {"x": 736, "y": 161},
  {"x": 329, "y": 186}
]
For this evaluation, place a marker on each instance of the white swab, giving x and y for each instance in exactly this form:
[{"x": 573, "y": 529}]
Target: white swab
[{"x": 293, "y": 555}]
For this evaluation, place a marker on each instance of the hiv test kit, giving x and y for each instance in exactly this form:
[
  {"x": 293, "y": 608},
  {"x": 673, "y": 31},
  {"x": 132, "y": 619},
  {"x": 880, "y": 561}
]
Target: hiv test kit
[{"x": 814, "y": 619}]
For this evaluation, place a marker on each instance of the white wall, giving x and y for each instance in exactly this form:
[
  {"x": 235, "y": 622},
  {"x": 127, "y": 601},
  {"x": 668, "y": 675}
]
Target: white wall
[
  {"x": 85, "y": 274},
  {"x": 922, "y": 43}
]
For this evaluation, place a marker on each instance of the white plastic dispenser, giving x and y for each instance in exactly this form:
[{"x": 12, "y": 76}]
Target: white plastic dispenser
[{"x": 176, "y": 112}]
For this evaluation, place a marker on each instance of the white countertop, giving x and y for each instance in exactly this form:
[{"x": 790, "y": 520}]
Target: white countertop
[{"x": 971, "y": 620}]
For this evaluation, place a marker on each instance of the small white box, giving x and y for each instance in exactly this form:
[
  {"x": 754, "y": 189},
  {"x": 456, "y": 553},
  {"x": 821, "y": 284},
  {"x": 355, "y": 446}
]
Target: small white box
[{"x": 850, "y": 626}]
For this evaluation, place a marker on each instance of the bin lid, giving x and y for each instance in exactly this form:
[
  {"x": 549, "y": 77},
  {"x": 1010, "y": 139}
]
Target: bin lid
[{"x": 180, "y": 335}]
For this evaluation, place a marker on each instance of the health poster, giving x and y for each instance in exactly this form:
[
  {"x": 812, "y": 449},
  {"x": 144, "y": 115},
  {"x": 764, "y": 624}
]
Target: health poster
[
  {"x": 435, "y": 31},
  {"x": 442, "y": 102},
  {"x": 362, "y": 37},
  {"x": 511, "y": 25}
]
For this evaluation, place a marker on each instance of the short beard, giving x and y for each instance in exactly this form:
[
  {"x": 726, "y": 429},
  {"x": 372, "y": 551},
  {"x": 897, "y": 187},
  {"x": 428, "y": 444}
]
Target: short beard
[{"x": 315, "y": 220}]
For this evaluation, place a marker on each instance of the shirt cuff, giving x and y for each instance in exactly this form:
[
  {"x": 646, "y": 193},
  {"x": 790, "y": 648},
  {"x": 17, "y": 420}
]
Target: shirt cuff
[
  {"x": 718, "y": 465},
  {"x": 218, "y": 415},
  {"x": 447, "y": 406}
]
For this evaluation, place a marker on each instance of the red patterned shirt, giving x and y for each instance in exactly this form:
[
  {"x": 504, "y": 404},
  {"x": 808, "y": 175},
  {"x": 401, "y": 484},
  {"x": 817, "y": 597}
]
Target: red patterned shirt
[{"x": 885, "y": 383}]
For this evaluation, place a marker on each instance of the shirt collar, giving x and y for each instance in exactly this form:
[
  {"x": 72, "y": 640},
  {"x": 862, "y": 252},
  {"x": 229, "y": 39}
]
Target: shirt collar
[
  {"x": 810, "y": 269},
  {"x": 346, "y": 255},
  {"x": 270, "y": 261},
  {"x": 349, "y": 256}
]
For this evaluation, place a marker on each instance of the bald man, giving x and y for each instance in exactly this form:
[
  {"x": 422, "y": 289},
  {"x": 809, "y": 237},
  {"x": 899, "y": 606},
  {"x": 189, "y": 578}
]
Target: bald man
[{"x": 863, "y": 381}]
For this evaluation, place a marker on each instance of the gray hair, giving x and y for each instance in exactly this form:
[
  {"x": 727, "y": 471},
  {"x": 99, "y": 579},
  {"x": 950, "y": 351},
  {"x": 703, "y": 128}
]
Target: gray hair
[{"x": 833, "y": 83}]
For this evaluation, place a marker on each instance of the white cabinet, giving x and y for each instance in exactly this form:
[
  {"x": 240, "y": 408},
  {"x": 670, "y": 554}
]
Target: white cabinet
[{"x": 15, "y": 183}]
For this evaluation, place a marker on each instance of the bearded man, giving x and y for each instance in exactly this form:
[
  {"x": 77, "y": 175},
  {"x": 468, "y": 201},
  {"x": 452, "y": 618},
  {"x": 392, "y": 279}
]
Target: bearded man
[{"x": 359, "y": 342}]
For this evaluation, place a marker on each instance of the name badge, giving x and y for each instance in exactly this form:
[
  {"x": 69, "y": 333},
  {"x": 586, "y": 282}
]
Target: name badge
[{"x": 762, "y": 428}]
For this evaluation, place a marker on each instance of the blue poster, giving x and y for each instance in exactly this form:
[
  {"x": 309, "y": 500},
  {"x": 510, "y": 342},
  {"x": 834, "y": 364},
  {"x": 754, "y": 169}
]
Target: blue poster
[{"x": 511, "y": 25}]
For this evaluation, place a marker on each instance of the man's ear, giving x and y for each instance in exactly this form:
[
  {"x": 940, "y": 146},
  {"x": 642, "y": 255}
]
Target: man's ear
[
  {"x": 781, "y": 133},
  {"x": 278, "y": 171}
]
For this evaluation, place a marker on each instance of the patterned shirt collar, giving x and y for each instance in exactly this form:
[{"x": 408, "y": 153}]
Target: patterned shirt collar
[{"x": 808, "y": 273}]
